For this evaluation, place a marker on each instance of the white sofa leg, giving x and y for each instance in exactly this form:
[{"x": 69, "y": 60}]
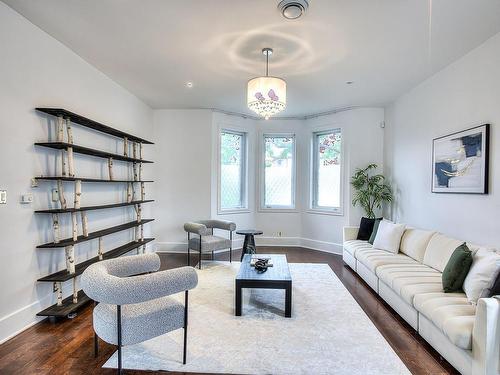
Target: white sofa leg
[{"x": 486, "y": 337}]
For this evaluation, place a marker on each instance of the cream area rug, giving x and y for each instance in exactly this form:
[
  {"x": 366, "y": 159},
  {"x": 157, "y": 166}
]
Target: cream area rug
[{"x": 328, "y": 332}]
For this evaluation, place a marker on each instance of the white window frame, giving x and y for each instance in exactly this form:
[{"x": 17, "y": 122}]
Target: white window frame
[
  {"x": 244, "y": 172},
  {"x": 313, "y": 186},
  {"x": 262, "y": 168}
]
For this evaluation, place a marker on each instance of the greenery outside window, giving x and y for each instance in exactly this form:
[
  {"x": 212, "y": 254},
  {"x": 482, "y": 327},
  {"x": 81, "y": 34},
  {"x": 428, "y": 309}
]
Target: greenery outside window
[
  {"x": 233, "y": 171},
  {"x": 278, "y": 182},
  {"x": 326, "y": 185}
]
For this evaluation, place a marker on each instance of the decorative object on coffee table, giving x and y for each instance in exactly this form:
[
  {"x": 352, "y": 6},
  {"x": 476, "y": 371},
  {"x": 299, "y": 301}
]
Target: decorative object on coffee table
[
  {"x": 249, "y": 242},
  {"x": 277, "y": 277},
  {"x": 460, "y": 161}
]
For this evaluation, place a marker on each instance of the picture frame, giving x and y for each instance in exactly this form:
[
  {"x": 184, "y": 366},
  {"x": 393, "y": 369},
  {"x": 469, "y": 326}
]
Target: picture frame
[{"x": 460, "y": 161}]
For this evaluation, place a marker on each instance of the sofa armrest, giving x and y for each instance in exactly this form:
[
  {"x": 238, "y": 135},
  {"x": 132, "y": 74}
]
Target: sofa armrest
[
  {"x": 486, "y": 337},
  {"x": 350, "y": 233}
]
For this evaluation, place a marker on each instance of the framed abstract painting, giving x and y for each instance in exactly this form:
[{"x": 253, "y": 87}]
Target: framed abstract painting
[{"x": 460, "y": 161}]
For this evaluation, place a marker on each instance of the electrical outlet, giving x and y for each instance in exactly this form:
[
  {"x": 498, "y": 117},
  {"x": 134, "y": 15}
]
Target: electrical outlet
[
  {"x": 27, "y": 198},
  {"x": 3, "y": 196},
  {"x": 34, "y": 183},
  {"x": 55, "y": 195}
]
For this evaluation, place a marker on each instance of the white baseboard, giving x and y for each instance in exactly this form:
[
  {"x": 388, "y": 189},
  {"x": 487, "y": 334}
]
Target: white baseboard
[
  {"x": 18, "y": 321},
  {"x": 328, "y": 247}
]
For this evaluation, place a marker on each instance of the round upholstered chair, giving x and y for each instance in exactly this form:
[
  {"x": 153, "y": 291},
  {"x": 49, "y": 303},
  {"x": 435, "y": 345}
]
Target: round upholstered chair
[{"x": 133, "y": 300}]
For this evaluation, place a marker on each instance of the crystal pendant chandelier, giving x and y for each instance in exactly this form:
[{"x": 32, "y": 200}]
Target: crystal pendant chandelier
[{"x": 266, "y": 95}]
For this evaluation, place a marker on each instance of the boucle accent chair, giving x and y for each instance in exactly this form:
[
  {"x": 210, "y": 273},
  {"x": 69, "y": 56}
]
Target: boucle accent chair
[
  {"x": 133, "y": 300},
  {"x": 205, "y": 240}
]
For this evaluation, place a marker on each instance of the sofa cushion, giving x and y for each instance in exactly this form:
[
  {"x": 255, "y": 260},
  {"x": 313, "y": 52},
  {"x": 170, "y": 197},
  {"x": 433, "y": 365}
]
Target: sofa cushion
[
  {"x": 456, "y": 269},
  {"x": 408, "y": 291},
  {"x": 388, "y": 236},
  {"x": 391, "y": 274},
  {"x": 414, "y": 242},
  {"x": 354, "y": 245},
  {"x": 374, "y": 231},
  {"x": 439, "y": 251},
  {"x": 485, "y": 263},
  {"x": 452, "y": 313},
  {"x": 373, "y": 258},
  {"x": 365, "y": 228}
]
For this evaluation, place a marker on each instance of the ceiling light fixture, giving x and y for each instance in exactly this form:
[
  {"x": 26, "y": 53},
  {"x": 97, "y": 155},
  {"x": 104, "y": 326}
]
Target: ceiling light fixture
[
  {"x": 189, "y": 84},
  {"x": 266, "y": 95},
  {"x": 293, "y": 9}
]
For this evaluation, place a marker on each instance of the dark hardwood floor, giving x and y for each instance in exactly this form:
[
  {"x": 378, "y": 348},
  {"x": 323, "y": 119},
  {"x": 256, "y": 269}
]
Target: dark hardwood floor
[{"x": 66, "y": 346}]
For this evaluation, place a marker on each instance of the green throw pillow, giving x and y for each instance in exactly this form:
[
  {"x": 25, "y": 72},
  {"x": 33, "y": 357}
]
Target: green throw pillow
[
  {"x": 457, "y": 269},
  {"x": 374, "y": 231}
]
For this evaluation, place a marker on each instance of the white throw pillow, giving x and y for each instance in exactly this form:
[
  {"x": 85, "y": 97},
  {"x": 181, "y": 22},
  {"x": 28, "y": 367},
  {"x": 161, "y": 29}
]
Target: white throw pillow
[
  {"x": 485, "y": 264},
  {"x": 388, "y": 236}
]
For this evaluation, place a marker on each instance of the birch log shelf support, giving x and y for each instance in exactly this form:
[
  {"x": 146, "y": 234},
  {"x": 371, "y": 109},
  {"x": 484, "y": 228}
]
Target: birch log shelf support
[
  {"x": 110, "y": 168},
  {"x": 85, "y": 224},
  {"x": 64, "y": 121}
]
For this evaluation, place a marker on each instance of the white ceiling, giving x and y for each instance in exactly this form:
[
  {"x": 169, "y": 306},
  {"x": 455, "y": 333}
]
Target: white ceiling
[{"x": 154, "y": 47}]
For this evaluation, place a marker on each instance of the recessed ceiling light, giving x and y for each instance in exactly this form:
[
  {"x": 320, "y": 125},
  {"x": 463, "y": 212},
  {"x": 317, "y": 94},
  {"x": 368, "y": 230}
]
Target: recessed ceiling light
[
  {"x": 293, "y": 9},
  {"x": 189, "y": 84}
]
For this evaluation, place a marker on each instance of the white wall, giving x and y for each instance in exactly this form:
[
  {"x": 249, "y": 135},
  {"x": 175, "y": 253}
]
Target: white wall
[
  {"x": 363, "y": 140},
  {"x": 189, "y": 183},
  {"x": 36, "y": 70},
  {"x": 182, "y": 172},
  {"x": 463, "y": 95}
]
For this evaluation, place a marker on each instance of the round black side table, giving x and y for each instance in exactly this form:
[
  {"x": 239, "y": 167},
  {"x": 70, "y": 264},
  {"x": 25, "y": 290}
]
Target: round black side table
[{"x": 249, "y": 242}]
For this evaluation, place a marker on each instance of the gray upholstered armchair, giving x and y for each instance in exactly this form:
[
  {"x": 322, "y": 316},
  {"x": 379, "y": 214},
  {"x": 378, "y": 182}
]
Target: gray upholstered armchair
[
  {"x": 133, "y": 303},
  {"x": 204, "y": 239}
]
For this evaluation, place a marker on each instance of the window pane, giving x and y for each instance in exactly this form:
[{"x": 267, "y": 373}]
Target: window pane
[
  {"x": 278, "y": 171},
  {"x": 232, "y": 170},
  {"x": 327, "y": 174}
]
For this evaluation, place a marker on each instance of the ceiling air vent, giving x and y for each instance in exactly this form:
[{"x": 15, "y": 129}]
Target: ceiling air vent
[{"x": 293, "y": 9}]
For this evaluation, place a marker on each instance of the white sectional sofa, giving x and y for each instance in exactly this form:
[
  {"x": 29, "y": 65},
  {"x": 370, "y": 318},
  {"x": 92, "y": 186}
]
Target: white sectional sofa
[{"x": 467, "y": 335}]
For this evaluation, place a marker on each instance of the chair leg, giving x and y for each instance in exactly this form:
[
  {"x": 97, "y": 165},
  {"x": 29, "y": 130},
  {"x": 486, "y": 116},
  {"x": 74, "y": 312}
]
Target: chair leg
[
  {"x": 96, "y": 345},
  {"x": 199, "y": 258},
  {"x": 189, "y": 256},
  {"x": 119, "y": 330},
  {"x": 231, "y": 247},
  {"x": 185, "y": 326},
  {"x": 96, "y": 338}
]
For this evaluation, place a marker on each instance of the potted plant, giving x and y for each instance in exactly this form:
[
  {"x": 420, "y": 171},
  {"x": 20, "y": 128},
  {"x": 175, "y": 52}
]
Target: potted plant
[{"x": 371, "y": 190}]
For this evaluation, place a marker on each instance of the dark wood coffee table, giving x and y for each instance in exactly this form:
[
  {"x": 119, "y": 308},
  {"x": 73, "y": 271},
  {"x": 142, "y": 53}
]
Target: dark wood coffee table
[{"x": 276, "y": 277}]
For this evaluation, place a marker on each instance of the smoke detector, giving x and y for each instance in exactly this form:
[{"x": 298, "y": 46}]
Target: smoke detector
[{"x": 293, "y": 9}]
